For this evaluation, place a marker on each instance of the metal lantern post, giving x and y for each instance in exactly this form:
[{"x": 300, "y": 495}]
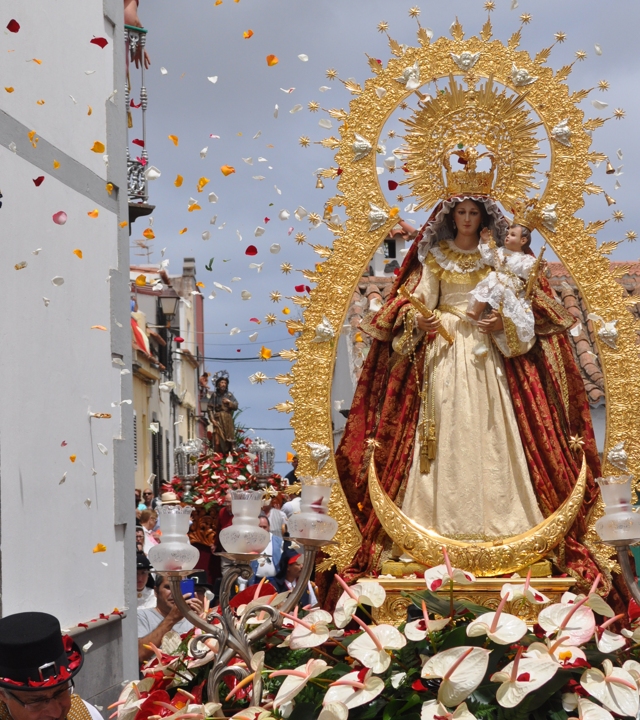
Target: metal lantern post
[{"x": 186, "y": 465}]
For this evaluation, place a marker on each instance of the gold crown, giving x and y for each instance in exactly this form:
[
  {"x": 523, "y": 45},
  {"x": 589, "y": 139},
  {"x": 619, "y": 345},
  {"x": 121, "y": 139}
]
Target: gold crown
[
  {"x": 468, "y": 181},
  {"x": 527, "y": 213}
]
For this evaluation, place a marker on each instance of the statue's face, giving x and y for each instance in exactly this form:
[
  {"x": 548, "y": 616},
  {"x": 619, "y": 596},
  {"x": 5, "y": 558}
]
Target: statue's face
[
  {"x": 222, "y": 386},
  {"x": 467, "y": 217}
]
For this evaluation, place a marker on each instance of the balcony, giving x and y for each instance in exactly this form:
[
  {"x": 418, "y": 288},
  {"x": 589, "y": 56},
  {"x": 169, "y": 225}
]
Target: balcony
[{"x": 138, "y": 158}]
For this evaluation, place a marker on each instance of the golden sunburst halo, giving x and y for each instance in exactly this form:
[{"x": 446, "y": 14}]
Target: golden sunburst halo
[
  {"x": 383, "y": 26},
  {"x": 414, "y": 12}
]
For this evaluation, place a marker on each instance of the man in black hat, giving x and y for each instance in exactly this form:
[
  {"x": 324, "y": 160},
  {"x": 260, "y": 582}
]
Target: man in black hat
[
  {"x": 144, "y": 582},
  {"x": 37, "y": 666}
]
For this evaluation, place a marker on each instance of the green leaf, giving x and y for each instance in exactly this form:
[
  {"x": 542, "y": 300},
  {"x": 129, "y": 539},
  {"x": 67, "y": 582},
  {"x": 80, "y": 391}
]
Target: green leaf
[
  {"x": 458, "y": 637},
  {"x": 303, "y": 711}
]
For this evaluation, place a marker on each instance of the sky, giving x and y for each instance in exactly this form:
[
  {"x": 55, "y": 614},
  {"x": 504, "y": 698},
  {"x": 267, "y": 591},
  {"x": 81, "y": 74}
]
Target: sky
[{"x": 191, "y": 43}]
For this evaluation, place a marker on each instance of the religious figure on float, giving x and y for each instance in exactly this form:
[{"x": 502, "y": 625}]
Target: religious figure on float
[
  {"x": 471, "y": 404},
  {"x": 222, "y": 405}
]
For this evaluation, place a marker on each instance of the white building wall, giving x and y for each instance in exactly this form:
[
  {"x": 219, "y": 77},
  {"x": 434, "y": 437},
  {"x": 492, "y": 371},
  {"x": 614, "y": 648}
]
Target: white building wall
[{"x": 55, "y": 367}]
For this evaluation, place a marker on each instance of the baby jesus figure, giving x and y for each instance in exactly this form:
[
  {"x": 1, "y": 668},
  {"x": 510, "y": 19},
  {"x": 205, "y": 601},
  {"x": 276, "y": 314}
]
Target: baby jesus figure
[{"x": 504, "y": 289}]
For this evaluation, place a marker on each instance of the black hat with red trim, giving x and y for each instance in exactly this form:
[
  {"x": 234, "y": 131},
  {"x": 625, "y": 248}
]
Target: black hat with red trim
[{"x": 34, "y": 654}]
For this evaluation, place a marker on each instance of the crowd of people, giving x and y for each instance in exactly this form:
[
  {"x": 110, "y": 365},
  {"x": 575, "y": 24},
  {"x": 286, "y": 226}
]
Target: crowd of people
[{"x": 280, "y": 564}]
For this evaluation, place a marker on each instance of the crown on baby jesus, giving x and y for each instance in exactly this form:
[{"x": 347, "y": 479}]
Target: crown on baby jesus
[
  {"x": 527, "y": 213},
  {"x": 468, "y": 181}
]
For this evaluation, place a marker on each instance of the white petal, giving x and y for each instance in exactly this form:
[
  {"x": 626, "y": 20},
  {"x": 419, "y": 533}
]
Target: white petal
[
  {"x": 413, "y": 632},
  {"x": 303, "y": 57},
  {"x": 569, "y": 701},
  {"x": 579, "y": 629},
  {"x": 295, "y": 109},
  {"x": 397, "y": 679},
  {"x": 213, "y": 79},
  {"x": 334, "y": 711},
  {"x": 325, "y": 123},
  {"x": 213, "y": 198},
  {"x": 509, "y": 629},
  {"x": 370, "y": 593},
  {"x": 432, "y": 709},
  {"x": 275, "y": 248},
  {"x": 345, "y": 607},
  {"x": 609, "y": 642},
  {"x": 614, "y": 696},
  {"x": 103, "y": 449},
  {"x": 284, "y": 214},
  {"x": 245, "y": 295},
  {"x": 597, "y": 604},
  {"x": 464, "y": 679},
  {"x": 259, "y": 231},
  {"x": 591, "y": 711},
  {"x": 351, "y": 697}
]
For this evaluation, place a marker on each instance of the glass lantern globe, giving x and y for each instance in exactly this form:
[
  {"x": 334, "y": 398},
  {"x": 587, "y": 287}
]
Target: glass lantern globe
[
  {"x": 245, "y": 535},
  {"x": 619, "y": 522},
  {"x": 174, "y": 552},
  {"x": 313, "y": 521}
]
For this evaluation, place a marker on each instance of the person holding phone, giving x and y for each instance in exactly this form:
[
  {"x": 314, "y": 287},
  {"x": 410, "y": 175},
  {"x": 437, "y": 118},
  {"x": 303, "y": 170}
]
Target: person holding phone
[{"x": 154, "y": 623}]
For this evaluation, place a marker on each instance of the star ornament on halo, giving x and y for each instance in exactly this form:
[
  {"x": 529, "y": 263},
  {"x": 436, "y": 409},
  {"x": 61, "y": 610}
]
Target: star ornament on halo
[{"x": 576, "y": 442}]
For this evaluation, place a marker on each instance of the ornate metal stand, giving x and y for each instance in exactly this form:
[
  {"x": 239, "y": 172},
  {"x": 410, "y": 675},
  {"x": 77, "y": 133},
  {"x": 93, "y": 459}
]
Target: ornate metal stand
[{"x": 230, "y": 632}]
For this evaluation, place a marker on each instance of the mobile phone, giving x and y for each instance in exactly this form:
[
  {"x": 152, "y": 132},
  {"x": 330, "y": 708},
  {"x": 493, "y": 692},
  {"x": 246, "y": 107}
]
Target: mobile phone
[{"x": 188, "y": 586}]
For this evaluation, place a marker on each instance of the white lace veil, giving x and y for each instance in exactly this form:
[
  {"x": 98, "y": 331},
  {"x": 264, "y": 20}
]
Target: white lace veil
[{"x": 437, "y": 228}]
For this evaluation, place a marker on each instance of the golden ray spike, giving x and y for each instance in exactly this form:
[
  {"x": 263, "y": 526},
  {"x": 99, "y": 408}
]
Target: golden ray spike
[
  {"x": 564, "y": 72},
  {"x": 456, "y": 30},
  {"x": 579, "y": 95},
  {"x": 608, "y": 247},
  {"x": 487, "y": 31},
  {"x": 323, "y": 251},
  {"x": 330, "y": 142},
  {"x": 594, "y": 227},
  {"x": 542, "y": 56},
  {"x": 593, "y": 189},
  {"x": 338, "y": 114},
  {"x": 294, "y": 325},
  {"x": 396, "y": 48},
  {"x": 284, "y": 379},
  {"x": 302, "y": 300},
  {"x": 283, "y": 407},
  {"x": 423, "y": 37},
  {"x": 291, "y": 355},
  {"x": 352, "y": 86},
  {"x": 514, "y": 40},
  {"x": 374, "y": 64},
  {"x": 594, "y": 123}
]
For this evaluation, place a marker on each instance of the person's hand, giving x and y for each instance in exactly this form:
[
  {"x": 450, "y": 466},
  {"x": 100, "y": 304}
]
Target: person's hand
[
  {"x": 429, "y": 325},
  {"x": 138, "y": 60},
  {"x": 195, "y": 604},
  {"x": 485, "y": 235},
  {"x": 491, "y": 324},
  {"x": 175, "y": 615}
]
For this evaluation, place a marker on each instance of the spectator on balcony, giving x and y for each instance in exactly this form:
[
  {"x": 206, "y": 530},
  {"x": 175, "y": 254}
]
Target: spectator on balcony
[{"x": 131, "y": 18}]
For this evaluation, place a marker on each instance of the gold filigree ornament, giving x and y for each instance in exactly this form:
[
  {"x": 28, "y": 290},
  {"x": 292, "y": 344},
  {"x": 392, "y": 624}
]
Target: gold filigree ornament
[{"x": 510, "y": 102}]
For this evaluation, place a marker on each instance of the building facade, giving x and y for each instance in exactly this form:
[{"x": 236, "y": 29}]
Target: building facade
[{"x": 66, "y": 431}]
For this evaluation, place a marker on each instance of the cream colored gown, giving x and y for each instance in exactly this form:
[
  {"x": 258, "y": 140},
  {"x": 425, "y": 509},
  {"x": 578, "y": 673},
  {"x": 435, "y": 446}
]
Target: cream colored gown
[{"x": 478, "y": 487}]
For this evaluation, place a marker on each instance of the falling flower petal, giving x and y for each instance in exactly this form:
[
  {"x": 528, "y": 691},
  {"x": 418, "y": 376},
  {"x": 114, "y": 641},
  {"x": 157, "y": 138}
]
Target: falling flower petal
[
  {"x": 98, "y": 147},
  {"x": 38, "y": 181},
  {"x": 57, "y": 280},
  {"x": 72, "y": 458},
  {"x": 265, "y": 353},
  {"x": 272, "y": 60},
  {"x": 62, "y": 479},
  {"x": 174, "y": 139},
  {"x": 78, "y": 253},
  {"x": 100, "y": 42},
  {"x": 99, "y": 327},
  {"x": 245, "y": 295},
  {"x": 213, "y": 79},
  {"x": 178, "y": 181},
  {"x": 275, "y": 249},
  {"x": 60, "y": 218},
  {"x": 93, "y": 213},
  {"x": 227, "y": 170},
  {"x": 247, "y": 34},
  {"x": 103, "y": 449},
  {"x": 251, "y": 250},
  {"x": 13, "y": 26},
  {"x": 152, "y": 173},
  {"x": 303, "y": 57},
  {"x": 100, "y": 548}
]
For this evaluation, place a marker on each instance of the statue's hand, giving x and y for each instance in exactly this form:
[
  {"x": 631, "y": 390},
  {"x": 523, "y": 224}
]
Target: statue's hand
[
  {"x": 429, "y": 325},
  {"x": 491, "y": 324},
  {"x": 485, "y": 235}
]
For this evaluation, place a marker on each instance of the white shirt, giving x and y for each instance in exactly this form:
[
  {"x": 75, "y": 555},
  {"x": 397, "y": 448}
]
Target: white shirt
[
  {"x": 150, "y": 618},
  {"x": 146, "y": 598},
  {"x": 277, "y": 519},
  {"x": 266, "y": 568}
]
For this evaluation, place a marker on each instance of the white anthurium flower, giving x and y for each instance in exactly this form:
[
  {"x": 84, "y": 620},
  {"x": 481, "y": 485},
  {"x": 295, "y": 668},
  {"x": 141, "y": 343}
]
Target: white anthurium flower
[
  {"x": 571, "y": 617},
  {"x": 312, "y": 631},
  {"x": 130, "y": 698},
  {"x": 558, "y": 651},
  {"x": 522, "y": 676},
  {"x": 608, "y": 641},
  {"x": 615, "y": 688},
  {"x": 369, "y": 593},
  {"x": 461, "y": 670},
  {"x": 354, "y": 689},
  {"x": 334, "y": 711},
  {"x": 397, "y": 679},
  {"x": 633, "y": 636},
  {"x": 515, "y": 592},
  {"x": 433, "y": 710},
  {"x": 633, "y": 668},
  {"x": 252, "y": 713},
  {"x": 498, "y": 626},
  {"x": 419, "y": 629},
  {"x": 594, "y": 601},
  {"x": 436, "y": 576},
  {"x": 588, "y": 710},
  {"x": 286, "y": 709},
  {"x": 569, "y": 701},
  {"x": 371, "y": 647},
  {"x": 295, "y": 680}
]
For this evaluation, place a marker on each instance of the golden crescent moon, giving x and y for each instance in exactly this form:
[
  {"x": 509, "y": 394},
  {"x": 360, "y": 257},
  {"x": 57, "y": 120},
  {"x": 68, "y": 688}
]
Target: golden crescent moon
[{"x": 485, "y": 559}]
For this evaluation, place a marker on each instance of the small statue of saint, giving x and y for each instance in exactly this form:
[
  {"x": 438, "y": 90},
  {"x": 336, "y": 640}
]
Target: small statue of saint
[{"x": 222, "y": 405}]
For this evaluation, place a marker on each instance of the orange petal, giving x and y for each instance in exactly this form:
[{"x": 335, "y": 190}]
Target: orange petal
[
  {"x": 174, "y": 139},
  {"x": 100, "y": 548},
  {"x": 227, "y": 170},
  {"x": 286, "y": 311},
  {"x": 218, "y": 2},
  {"x": 98, "y": 327},
  {"x": 98, "y": 147},
  {"x": 39, "y": 102},
  {"x": 393, "y": 212},
  {"x": 200, "y": 284},
  {"x": 247, "y": 34},
  {"x": 56, "y": 164},
  {"x": 109, "y": 187},
  {"x": 141, "y": 281},
  {"x": 183, "y": 231},
  {"x": 124, "y": 223},
  {"x": 78, "y": 253},
  {"x": 72, "y": 458},
  {"x": 35, "y": 60},
  {"x": 178, "y": 181},
  {"x": 93, "y": 213},
  {"x": 149, "y": 234},
  {"x": 265, "y": 353},
  {"x": 90, "y": 110},
  {"x": 193, "y": 207},
  {"x": 272, "y": 60},
  {"x": 202, "y": 182},
  {"x": 9, "y": 89}
]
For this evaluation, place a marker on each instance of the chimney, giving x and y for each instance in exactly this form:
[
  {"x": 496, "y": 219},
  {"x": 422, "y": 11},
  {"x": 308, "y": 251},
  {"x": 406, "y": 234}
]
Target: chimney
[{"x": 189, "y": 267}]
